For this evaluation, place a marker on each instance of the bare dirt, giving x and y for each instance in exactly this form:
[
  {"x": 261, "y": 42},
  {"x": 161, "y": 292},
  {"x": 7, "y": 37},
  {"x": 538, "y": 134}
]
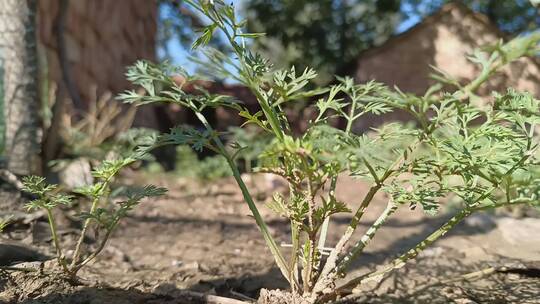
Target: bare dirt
[{"x": 200, "y": 241}]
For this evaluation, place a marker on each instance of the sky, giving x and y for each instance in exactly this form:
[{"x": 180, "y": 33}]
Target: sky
[{"x": 180, "y": 56}]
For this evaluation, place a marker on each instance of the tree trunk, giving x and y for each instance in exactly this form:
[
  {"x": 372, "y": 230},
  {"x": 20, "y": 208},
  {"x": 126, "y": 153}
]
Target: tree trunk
[{"x": 18, "y": 58}]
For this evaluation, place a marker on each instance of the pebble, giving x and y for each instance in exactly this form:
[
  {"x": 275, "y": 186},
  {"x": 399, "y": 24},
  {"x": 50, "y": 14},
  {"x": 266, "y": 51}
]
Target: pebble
[
  {"x": 518, "y": 231},
  {"x": 77, "y": 173},
  {"x": 481, "y": 221}
]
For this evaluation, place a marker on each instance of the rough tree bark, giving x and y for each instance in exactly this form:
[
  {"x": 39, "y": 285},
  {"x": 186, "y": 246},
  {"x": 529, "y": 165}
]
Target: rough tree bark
[{"x": 18, "y": 56}]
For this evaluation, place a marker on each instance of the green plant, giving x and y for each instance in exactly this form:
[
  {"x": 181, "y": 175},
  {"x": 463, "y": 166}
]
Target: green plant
[
  {"x": 103, "y": 215},
  {"x": 4, "y": 222},
  {"x": 208, "y": 168},
  {"x": 249, "y": 144},
  {"x": 246, "y": 145},
  {"x": 460, "y": 146}
]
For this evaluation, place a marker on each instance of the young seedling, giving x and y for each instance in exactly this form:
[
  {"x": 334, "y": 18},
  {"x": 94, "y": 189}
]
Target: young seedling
[
  {"x": 4, "y": 223},
  {"x": 460, "y": 146},
  {"x": 103, "y": 215}
]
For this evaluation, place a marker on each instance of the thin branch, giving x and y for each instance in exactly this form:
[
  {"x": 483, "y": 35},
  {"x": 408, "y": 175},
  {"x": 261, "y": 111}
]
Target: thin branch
[
  {"x": 367, "y": 237},
  {"x": 412, "y": 253},
  {"x": 98, "y": 250},
  {"x": 328, "y": 273},
  {"x": 87, "y": 222},
  {"x": 54, "y": 234},
  {"x": 324, "y": 227},
  {"x": 278, "y": 256}
]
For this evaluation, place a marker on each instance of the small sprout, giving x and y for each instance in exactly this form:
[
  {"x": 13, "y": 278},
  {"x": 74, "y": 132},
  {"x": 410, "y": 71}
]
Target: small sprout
[
  {"x": 105, "y": 218},
  {"x": 5, "y": 222}
]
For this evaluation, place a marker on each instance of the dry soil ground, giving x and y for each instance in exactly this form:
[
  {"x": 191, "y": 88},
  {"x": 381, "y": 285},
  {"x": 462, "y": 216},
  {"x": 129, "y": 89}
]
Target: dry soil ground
[{"x": 201, "y": 238}]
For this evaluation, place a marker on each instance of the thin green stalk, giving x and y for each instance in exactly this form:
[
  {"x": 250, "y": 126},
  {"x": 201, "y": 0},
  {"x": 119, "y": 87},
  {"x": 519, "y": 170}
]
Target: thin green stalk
[
  {"x": 269, "y": 114},
  {"x": 412, "y": 253},
  {"x": 475, "y": 84},
  {"x": 293, "y": 265},
  {"x": 325, "y": 279},
  {"x": 280, "y": 260},
  {"x": 312, "y": 260},
  {"x": 312, "y": 235},
  {"x": 367, "y": 237},
  {"x": 306, "y": 277},
  {"x": 332, "y": 259},
  {"x": 98, "y": 250},
  {"x": 324, "y": 228},
  {"x": 54, "y": 234},
  {"x": 350, "y": 118},
  {"x": 328, "y": 274},
  {"x": 266, "y": 108},
  {"x": 86, "y": 225},
  {"x": 324, "y": 233}
]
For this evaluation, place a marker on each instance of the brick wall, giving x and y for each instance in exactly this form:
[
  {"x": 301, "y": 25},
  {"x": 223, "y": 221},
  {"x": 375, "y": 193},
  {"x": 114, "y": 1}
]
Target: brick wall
[
  {"x": 443, "y": 40},
  {"x": 102, "y": 37}
]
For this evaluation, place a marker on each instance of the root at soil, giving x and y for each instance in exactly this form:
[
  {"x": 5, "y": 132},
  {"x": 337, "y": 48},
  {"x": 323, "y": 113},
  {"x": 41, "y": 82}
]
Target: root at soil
[{"x": 279, "y": 297}]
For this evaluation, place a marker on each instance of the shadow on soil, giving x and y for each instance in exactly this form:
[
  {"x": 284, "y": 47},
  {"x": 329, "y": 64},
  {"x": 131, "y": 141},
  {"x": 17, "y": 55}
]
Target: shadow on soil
[
  {"x": 393, "y": 248},
  {"x": 165, "y": 293}
]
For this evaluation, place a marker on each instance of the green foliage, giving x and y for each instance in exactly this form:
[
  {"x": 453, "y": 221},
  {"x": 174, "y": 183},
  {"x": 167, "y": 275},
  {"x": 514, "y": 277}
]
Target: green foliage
[
  {"x": 245, "y": 146},
  {"x": 209, "y": 168},
  {"x": 248, "y": 144},
  {"x": 324, "y": 33},
  {"x": 103, "y": 214},
  {"x": 485, "y": 154},
  {"x": 47, "y": 199},
  {"x": 4, "y": 223}
]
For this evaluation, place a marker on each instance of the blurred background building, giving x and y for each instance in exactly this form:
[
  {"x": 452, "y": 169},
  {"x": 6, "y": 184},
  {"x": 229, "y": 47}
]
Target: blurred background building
[{"x": 443, "y": 40}]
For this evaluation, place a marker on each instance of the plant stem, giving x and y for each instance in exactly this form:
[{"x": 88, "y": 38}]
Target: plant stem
[
  {"x": 266, "y": 107},
  {"x": 324, "y": 227},
  {"x": 293, "y": 265},
  {"x": 412, "y": 253},
  {"x": 312, "y": 235},
  {"x": 274, "y": 249},
  {"x": 86, "y": 225},
  {"x": 98, "y": 250},
  {"x": 312, "y": 260},
  {"x": 350, "y": 118},
  {"x": 327, "y": 276},
  {"x": 391, "y": 207},
  {"x": 54, "y": 234},
  {"x": 484, "y": 76},
  {"x": 325, "y": 279}
]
